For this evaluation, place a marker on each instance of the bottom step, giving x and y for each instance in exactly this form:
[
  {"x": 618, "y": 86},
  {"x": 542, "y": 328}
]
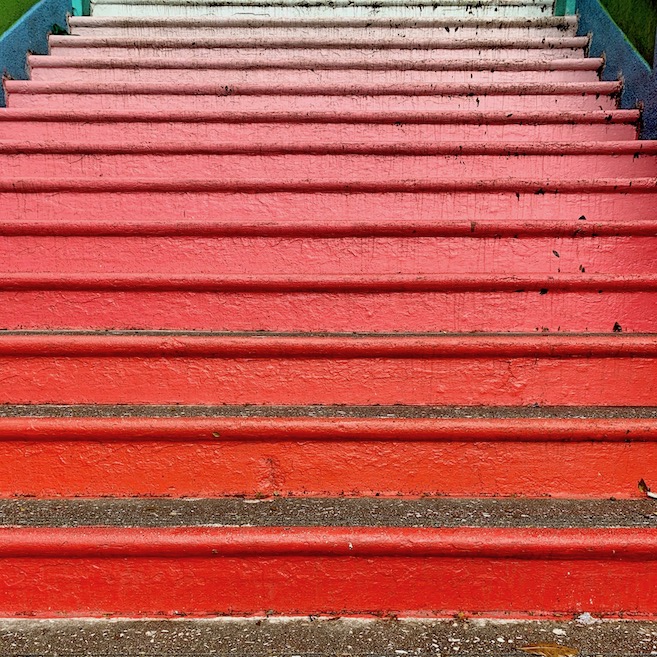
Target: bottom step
[
  {"x": 430, "y": 558},
  {"x": 264, "y": 638}
]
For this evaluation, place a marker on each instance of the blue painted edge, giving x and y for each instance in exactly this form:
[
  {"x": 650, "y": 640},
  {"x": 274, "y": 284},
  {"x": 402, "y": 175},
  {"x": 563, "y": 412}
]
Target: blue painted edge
[
  {"x": 622, "y": 62},
  {"x": 30, "y": 34}
]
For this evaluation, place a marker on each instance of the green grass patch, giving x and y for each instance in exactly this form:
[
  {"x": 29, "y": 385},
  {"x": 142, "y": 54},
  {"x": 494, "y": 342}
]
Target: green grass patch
[
  {"x": 638, "y": 19},
  {"x": 12, "y": 10}
]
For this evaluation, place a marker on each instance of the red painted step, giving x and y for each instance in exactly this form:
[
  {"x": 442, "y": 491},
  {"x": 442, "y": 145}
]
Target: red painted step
[
  {"x": 295, "y": 212},
  {"x": 94, "y": 571},
  {"x": 325, "y": 451},
  {"x": 571, "y": 370}
]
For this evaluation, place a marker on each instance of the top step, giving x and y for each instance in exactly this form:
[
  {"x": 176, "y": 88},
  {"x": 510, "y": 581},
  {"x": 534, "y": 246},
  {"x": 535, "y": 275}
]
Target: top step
[{"x": 359, "y": 8}]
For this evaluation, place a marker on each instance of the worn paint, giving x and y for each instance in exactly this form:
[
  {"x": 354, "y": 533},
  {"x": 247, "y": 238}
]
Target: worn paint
[
  {"x": 345, "y": 571},
  {"x": 299, "y": 370},
  {"x": 309, "y": 456}
]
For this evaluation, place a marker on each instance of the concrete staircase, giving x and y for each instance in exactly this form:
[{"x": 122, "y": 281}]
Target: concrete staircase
[{"x": 374, "y": 284}]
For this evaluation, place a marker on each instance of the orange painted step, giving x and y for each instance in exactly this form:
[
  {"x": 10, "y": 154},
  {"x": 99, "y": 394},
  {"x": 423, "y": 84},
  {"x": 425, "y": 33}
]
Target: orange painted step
[
  {"x": 179, "y": 368},
  {"x": 382, "y": 451},
  {"x": 352, "y": 570}
]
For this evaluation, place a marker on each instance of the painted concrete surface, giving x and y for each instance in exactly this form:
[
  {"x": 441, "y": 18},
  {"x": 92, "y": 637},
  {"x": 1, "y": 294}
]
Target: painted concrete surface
[
  {"x": 30, "y": 34},
  {"x": 318, "y": 10}
]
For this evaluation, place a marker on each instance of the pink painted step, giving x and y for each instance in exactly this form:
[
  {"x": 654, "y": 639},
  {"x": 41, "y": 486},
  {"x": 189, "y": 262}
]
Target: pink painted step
[
  {"x": 22, "y": 95},
  {"x": 159, "y": 42},
  {"x": 391, "y": 57},
  {"x": 578, "y": 258},
  {"x": 382, "y": 304},
  {"x": 384, "y": 284},
  {"x": 295, "y": 127},
  {"x": 345, "y": 164},
  {"x": 310, "y": 71},
  {"x": 328, "y": 213},
  {"x": 204, "y": 97},
  {"x": 444, "y": 370},
  {"x": 339, "y": 303}
]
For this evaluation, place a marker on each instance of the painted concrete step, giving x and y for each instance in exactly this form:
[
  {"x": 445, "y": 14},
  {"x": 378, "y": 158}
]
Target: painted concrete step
[
  {"x": 272, "y": 52},
  {"x": 308, "y": 70},
  {"x": 415, "y": 165},
  {"x": 294, "y": 127},
  {"x": 302, "y": 369},
  {"x": 103, "y": 100},
  {"x": 565, "y": 25},
  {"x": 353, "y": 569},
  {"x": 255, "y": 279},
  {"x": 374, "y": 451},
  {"x": 499, "y": 9},
  {"x": 342, "y": 40},
  {"x": 249, "y": 30},
  {"x": 423, "y": 637},
  {"x": 298, "y": 216},
  {"x": 328, "y": 214},
  {"x": 259, "y": 100},
  {"x": 371, "y": 256},
  {"x": 385, "y": 302}
]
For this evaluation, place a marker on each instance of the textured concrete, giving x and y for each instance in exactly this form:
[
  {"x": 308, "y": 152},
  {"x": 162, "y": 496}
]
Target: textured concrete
[
  {"x": 318, "y": 637},
  {"x": 329, "y": 512}
]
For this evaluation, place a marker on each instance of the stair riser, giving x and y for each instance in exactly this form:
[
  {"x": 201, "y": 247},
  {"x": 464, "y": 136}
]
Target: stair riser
[
  {"x": 356, "y": 571},
  {"x": 321, "y": 12},
  {"x": 330, "y": 380},
  {"x": 303, "y": 132},
  {"x": 327, "y": 55},
  {"x": 347, "y": 256},
  {"x": 576, "y": 311},
  {"x": 262, "y": 104},
  {"x": 289, "y": 169},
  {"x": 315, "y": 209},
  {"x": 287, "y": 76},
  {"x": 314, "y": 467}
]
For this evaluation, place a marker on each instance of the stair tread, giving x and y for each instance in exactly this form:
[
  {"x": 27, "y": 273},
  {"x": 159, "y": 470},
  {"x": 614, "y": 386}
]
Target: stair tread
[
  {"x": 330, "y": 512},
  {"x": 575, "y": 414},
  {"x": 318, "y": 636}
]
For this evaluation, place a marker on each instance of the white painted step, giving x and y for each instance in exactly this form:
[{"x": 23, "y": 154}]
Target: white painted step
[
  {"x": 377, "y": 57},
  {"x": 283, "y": 9},
  {"x": 447, "y": 35}
]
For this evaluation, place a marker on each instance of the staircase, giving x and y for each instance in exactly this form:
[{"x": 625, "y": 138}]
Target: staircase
[{"x": 312, "y": 309}]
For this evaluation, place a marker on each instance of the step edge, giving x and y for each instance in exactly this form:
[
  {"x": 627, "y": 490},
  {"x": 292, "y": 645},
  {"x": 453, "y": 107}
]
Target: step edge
[
  {"x": 29, "y": 344},
  {"x": 213, "y": 429},
  {"x": 365, "y": 542}
]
